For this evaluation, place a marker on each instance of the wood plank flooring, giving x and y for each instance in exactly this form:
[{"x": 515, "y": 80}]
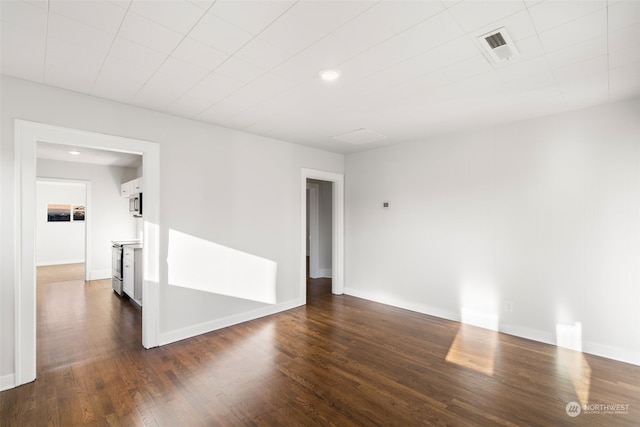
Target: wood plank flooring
[{"x": 338, "y": 361}]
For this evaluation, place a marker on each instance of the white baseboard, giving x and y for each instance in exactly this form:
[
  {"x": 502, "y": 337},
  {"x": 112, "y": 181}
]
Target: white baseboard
[
  {"x": 529, "y": 334},
  {"x": 610, "y": 352},
  {"x": 321, "y": 273},
  {"x": 397, "y": 302},
  {"x": 7, "y": 382},
  {"x": 100, "y": 274},
  {"x": 73, "y": 261},
  {"x": 203, "y": 328}
]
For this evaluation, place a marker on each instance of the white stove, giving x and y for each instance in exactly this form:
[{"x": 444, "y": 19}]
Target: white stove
[{"x": 116, "y": 262}]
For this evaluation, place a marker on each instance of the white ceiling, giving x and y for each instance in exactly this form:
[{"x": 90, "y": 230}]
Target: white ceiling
[
  {"x": 410, "y": 69},
  {"x": 51, "y": 151}
]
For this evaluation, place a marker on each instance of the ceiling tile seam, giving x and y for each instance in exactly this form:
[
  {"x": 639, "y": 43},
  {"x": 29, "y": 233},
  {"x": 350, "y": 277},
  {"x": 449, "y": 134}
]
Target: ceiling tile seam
[
  {"x": 450, "y": 82},
  {"x": 115, "y": 36},
  {"x": 475, "y": 44},
  {"x": 184, "y": 36},
  {"x": 222, "y": 18},
  {"x": 546, "y": 56},
  {"x": 284, "y": 61},
  {"x": 445, "y": 10},
  {"x": 46, "y": 45},
  {"x": 341, "y": 64},
  {"x": 524, "y": 7},
  {"x": 253, "y": 123},
  {"x": 573, "y": 20},
  {"x": 395, "y": 64},
  {"x": 419, "y": 75},
  {"x": 569, "y": 21},
  {"x": 196, "y": 115},
  {"x": 474, "y": 39},
  {"x": 467, "y": 34},
  {"x": 275, "y": 66},
  {"x": 608, "y": 58}
]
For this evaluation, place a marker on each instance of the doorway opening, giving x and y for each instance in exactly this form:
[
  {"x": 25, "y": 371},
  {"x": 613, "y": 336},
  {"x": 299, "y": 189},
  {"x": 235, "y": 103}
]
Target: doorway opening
[
  {"x": 319, "y": 238},
  {"x": 62, "y": 235},
  {"x": 74, "y": 230},
  {"x": 322, "y": 233},
  {"x": 27, "y": 136}
]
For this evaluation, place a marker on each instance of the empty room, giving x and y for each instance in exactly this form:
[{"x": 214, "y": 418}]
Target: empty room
[{"x": 320, "y": 212}]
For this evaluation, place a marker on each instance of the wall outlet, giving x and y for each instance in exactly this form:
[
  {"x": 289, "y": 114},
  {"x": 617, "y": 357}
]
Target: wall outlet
[{"x": 508, "y": 306}]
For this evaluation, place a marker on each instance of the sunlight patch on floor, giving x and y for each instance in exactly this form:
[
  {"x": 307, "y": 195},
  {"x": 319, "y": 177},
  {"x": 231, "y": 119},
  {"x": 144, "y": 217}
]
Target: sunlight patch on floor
[
  {"x": 571, "y": 361},
  {"x": 474, "y": 348}
]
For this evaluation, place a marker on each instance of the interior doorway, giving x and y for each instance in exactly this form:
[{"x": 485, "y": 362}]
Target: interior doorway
[
  {"x": 316, "y": 216},
  {"x": 319, "y": 227},
  {"x": 319, "y": 237},
  {"x": 63, "y": 239},
  {"x": 28, "y": 134}
]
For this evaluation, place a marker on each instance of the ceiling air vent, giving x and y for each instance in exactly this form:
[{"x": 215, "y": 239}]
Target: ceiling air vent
[
  {"x": 360, "y": 136},
  {"x": 499, "y": 45}
]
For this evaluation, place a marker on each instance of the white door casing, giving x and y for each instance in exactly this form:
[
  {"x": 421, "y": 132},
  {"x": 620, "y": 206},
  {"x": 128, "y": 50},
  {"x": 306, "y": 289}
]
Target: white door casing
[
  {"x": 337, "y": 250},
  {"x": 27, "y": 134}
]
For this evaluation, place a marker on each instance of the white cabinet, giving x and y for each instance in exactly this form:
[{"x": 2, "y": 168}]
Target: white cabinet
[
  {"x": 132, "y": 187},
  {"x": 132, "y": 272}
]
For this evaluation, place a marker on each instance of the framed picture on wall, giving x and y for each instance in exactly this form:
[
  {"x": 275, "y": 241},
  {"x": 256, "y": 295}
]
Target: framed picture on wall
[
  {"x": 58, "y": 213},
  {"x": 78, "y": 213}
]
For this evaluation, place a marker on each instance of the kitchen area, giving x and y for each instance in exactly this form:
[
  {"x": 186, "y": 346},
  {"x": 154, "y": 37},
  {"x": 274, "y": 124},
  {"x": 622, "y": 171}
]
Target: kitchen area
[{"x": 126, "y": 255}]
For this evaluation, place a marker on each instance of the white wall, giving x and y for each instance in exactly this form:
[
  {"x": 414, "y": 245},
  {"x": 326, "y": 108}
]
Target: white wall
[
  {"x": 59, "y": 242},
  {"x": 543, "y": 213},
  {"x": 220, "y": 186},
  {"x": 109, "y": 217}
]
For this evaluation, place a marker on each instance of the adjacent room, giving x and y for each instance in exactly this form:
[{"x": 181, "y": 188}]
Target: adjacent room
[{"x": 309, "y": 212}]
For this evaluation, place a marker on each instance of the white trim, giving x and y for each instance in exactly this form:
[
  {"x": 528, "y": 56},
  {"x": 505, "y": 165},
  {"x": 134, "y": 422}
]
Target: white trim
[
  {"x": 203, "y": 328},
  {"x": 337, "y": 284},
  {"x": 389, "y": 299},
  {"x": 70, "y": 261},
  {"x": 88, "y": 217},
  {"x": 610, "y": 352},
  {"x": 25, "y": 298},
  {"x": 7, "y": 382},
  {"x": 151, "y": 247},
  {"x": 99, "y": 274},
  {"x": 325, "y": 272},
  {"x": 27, "y": 134},
  {"x": 527, "y": 333}
]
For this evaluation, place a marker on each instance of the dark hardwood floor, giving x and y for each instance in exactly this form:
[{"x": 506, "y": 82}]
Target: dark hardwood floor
[{"x": 337, "y": 361}]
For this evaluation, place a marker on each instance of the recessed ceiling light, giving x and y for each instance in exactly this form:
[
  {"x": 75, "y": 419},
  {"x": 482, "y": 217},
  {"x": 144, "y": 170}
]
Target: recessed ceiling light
[
  {"x": 74, "y": 152},
  {"x": 330, "y": 74}
]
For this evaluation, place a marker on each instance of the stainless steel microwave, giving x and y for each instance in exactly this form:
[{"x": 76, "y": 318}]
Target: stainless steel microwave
[{"x": 135, "y": 205}]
